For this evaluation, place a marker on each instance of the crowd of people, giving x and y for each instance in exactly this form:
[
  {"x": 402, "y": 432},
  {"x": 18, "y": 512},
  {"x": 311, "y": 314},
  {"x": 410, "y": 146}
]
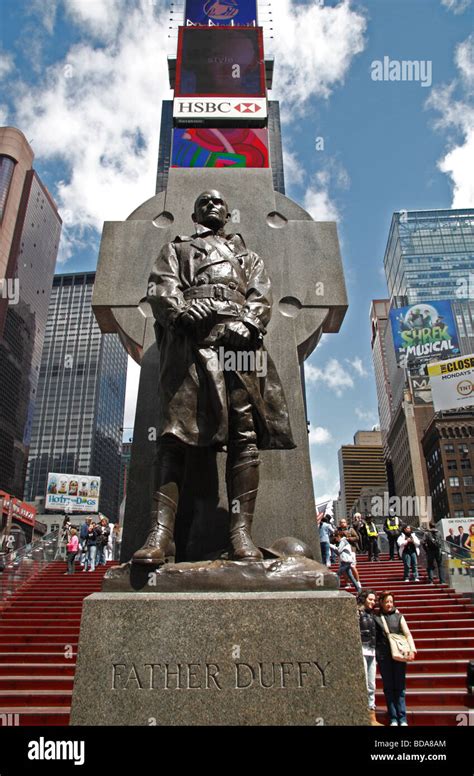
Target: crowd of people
[
  {"x": 344, "y": 542},
  {"x": 91, "y": 546}
]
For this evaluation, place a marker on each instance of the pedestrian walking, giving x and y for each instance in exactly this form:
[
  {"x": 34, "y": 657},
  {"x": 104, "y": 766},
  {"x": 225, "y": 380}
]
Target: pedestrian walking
[
  {"x": 325, "y": 534},
  {"x": 343, "y": 549}
]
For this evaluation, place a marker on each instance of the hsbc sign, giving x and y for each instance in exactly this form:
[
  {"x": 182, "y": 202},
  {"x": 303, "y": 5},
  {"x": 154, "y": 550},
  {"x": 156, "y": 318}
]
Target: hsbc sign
[{"x": 188, "y": 110}]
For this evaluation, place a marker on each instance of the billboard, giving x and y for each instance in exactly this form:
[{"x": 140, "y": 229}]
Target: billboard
[
  {"x": 223, "y": 12},
  {"x": 196, "y": 111},
  {"x": 220, "y": 62},
  {"x": 212, "y": 147},
  {"x": 24, "y": 512},
  {"x": 72, "y": 493},
  {"x": 452, "y": 383},
  {"x": 449, "y": 529},
  {"x": 423, "y": 332}
]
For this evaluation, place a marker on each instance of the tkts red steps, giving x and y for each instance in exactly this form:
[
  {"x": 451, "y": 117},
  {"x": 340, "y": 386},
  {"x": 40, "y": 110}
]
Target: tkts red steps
[{"x": 39, "y": 632}]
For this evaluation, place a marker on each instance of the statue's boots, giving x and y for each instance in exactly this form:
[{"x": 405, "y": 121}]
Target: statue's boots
[
  {"x": 159, "y": 547},
  {"x": 242, "y": 483}
]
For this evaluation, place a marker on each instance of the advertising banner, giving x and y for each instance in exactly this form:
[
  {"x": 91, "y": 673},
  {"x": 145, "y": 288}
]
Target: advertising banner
[
  {"x": 220, "y": 62},
  {"x": 206, "y": 147},
  {"x": 220, "y": 12},
  {"x": 452, "y": 383},
  {"x": 424, "y": 332},
  {"x": 24, "y": 512},
  {"x": 458, "y": 531},
  {"x": 72, "y": 493},
  {"x": 231, "y": 110}
]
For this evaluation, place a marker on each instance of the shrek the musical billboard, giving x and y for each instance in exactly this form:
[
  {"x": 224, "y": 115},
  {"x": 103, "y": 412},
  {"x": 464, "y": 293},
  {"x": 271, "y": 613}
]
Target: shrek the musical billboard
[{"x": 424, "y": 332}]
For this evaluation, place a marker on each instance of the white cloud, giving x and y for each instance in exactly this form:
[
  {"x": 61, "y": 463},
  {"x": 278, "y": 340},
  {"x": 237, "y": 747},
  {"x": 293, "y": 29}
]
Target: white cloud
[
  {"x": 4, "y": 115},
  {"x": 358, "y": 366},
  {"x": 6, "y": 64},
  {"x": 98, "y": 112},
  {"x": 456, "y": 6},
  {"x": 294, "y": 170},
  {"x": 368, "y": 416},
  {"x": 131, "y": 393},
  {"x": 314, "y": 46},
  {"x": 333, "y": 375},
  {"x": 457, "y": 119},
  {"x": 319, "y": 435},
  {"x": 101, "y": 18}
]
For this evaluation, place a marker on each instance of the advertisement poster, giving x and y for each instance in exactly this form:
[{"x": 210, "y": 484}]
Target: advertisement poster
[
  {"x": 424, "y": 332},
  {"x": 452, "y": 383},
  {"x": 206, "y": 147},
  {"x": 221, "y": 12},
  {"x": 458, "y": 531},
  {"x": 233, "y": 62},
  {"x": 72, "y": 493}
]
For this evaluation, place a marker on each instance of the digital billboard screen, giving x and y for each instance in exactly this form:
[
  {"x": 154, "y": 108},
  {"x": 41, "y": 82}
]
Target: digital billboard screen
[
  {"x": 210, "y": 147},
  {"x": 424, "y": 332},
  {"x": 220, "y": 61},
  {"x": 221, "y": 12}
]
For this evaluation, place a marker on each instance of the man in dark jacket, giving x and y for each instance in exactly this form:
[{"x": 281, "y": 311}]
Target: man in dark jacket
[
  {"x": 211, "y": 300},
  {"x": 433, "y": 544}
]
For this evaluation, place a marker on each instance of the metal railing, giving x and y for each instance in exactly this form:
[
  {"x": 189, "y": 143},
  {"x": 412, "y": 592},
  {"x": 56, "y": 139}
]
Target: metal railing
[{"x": 20, "y": 566}]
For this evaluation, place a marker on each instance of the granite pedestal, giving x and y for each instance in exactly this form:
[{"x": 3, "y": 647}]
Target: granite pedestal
[{"x": 268, "y": 658}]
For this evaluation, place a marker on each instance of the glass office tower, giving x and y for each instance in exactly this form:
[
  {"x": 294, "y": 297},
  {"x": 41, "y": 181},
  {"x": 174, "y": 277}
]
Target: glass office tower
[
  {"x": 430, "y": 256},
  {"x": 77, "y": 425}
]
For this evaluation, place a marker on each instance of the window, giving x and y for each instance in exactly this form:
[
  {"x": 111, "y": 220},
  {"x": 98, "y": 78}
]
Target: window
[
  {"x": 449, "y": 448},
  {"x": 468, "y": 480},
  {"x": 457, "y": 498},
  {"x": 458, "y": 513},
  {"x": 454, "y": 482},
  {"x": 452, "y": 465},
  {"x": 463, "y": 449},
  {"x": 7, "y": 166},
  {"x": 465, "y": 464}
]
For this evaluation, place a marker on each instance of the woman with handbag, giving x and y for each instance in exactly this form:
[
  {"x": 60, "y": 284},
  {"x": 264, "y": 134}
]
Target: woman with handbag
[{"x": 394, "y": 648}]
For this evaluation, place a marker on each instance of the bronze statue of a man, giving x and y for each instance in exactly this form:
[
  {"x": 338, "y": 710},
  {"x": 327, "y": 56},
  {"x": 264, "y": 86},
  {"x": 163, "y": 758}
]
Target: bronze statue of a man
[{"x": 211, "y": 300}]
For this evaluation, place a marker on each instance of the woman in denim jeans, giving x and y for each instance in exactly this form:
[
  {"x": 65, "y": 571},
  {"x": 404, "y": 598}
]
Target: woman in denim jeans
[
  {"x": 344, "y": 550},
  {"x": 393, "y": 672}
]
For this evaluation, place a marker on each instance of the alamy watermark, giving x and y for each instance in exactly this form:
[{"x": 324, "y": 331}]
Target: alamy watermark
[
  {"x": 387, "y": 69},
  {"x": 401, "y": 506},
  {"x": 10, "y": 289},
  {"x": 224, "y": 360}
]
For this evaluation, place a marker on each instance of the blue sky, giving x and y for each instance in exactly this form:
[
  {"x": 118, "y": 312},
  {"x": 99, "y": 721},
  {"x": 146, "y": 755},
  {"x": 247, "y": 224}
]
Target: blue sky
[{"x": 77, "y": 76}]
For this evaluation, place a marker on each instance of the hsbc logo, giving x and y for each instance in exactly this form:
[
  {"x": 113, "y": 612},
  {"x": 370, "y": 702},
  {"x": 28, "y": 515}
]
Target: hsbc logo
[
  {"x": 248, "y": 107},
  {"x": 230, "y": 107}
]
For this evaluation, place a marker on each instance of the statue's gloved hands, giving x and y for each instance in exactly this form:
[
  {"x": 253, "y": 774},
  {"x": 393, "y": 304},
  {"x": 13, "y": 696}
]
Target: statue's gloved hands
[
  {"x": 198, "y": 313},
  {"x": 237, "y": 335}
]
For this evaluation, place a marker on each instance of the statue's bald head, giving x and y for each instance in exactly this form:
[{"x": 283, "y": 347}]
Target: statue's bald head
[{"x": 211, "y": 210}]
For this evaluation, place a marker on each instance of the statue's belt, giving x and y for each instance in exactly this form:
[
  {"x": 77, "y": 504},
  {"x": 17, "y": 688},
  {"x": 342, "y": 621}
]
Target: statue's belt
[{"x": 214, "y": 291}]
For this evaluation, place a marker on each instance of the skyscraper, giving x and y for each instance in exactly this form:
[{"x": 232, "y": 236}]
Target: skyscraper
[
  {"x": 429, "y": 256},
  {"x": 361, "y": 466},
  {"x": 30, "y": 228},
  {"x": 81, "y": 394}
]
